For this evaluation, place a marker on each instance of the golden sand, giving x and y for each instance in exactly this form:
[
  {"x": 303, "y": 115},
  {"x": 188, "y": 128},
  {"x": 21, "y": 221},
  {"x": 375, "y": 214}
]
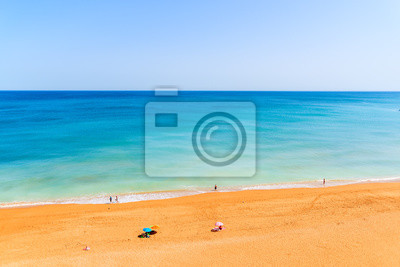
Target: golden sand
[{"x": 353, "y": 225}]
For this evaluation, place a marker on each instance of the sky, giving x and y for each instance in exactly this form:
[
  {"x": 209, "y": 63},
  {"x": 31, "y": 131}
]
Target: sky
[{"x": 200, "y": 45}]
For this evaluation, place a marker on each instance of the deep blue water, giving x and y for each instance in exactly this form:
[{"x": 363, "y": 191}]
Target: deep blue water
[{"x": 74, "y": 143}]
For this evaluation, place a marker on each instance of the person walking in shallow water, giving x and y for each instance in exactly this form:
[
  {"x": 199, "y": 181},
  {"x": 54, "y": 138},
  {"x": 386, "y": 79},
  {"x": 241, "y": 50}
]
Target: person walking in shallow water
[
  {"x": 215, "y": 188},
  {"x": 323, "y": 182},
  {"x": 110, "y": 199},
  {"x": 116, "y": 199}
]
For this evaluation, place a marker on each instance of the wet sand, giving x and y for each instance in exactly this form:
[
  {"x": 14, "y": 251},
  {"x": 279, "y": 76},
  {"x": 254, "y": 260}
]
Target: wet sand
[{"x": 353, "y": 224}]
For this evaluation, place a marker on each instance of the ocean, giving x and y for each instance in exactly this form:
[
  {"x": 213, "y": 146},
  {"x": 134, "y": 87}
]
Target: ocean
[{"x": 82, "y": 146}]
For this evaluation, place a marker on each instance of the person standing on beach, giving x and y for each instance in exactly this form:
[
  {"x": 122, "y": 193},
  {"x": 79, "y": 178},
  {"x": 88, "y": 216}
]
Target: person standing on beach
[
  {"x": 110, "y": 199},
  {"x": 323, "y": 182},
  {"x": 215, "y": 187},
  {"x": 116, "y": 199}
]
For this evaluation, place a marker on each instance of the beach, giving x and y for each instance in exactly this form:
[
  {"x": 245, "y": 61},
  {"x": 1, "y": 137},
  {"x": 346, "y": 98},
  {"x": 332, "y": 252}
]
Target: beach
[{"x": 355, "y": 224}]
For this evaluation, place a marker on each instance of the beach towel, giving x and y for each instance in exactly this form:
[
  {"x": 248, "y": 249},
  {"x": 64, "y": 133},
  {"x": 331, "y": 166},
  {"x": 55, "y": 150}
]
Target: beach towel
[{"x": 216, "y": 229}]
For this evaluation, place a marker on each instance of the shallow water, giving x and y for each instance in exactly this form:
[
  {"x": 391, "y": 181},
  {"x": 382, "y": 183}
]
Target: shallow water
[{"x": 66, "y": 145}]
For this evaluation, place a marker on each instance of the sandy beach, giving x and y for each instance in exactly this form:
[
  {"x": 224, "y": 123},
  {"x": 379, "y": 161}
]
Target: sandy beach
[{"x": 352, "y": 224}]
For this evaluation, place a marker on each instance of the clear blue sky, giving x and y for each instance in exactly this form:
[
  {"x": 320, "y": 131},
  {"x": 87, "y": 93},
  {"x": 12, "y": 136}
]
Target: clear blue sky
[{"x": 242, "y": 45}]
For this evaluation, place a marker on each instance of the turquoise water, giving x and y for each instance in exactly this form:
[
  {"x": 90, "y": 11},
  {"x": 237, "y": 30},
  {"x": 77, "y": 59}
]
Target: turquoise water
[{"x": 56, "y": 145}]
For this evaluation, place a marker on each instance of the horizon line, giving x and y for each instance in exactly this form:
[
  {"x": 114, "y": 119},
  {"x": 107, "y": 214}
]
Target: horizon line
[{"x": 193, "y": 90}]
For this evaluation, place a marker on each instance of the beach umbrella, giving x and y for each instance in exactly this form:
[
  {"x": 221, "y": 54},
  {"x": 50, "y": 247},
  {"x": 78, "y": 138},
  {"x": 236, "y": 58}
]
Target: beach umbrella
[
  {"x": 154, "y": 227},
  {"x": 147, "y": 230},
  {"x": 219, "y": 224}
]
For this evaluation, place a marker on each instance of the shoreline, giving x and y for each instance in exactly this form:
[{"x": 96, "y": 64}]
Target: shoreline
[
  {"x": 356, "y": 224},
  {"x": 131, "y": 197}
]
